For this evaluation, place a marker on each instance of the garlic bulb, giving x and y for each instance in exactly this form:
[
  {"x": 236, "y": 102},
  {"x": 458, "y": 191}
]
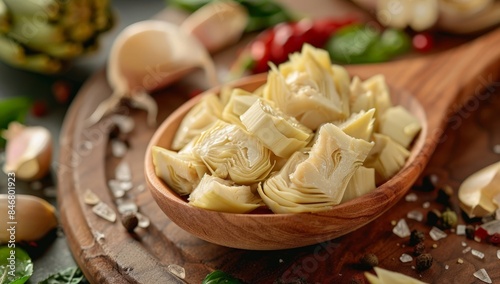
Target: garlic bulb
[
  {"x": 35, "y": 218},
  {"x": 147, "y": 56},
  {"x": 28, "y": 151}
]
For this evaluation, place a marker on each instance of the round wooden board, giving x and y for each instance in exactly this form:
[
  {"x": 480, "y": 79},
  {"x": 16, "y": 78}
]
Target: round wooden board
[{"x": 107, "y": 253}]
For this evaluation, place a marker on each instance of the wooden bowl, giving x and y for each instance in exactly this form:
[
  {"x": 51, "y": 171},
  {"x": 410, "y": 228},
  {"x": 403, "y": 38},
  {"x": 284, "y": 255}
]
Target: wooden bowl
[{"x": 272, "y": 231}]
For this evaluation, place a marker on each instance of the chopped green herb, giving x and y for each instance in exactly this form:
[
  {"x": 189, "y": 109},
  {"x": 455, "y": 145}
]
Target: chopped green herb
[
  {"x": 15, "y": 265},
  {"x": 220, "y": 277},
  {"x": 71, "y": 275},
  {"x": 12, "y": 109}
]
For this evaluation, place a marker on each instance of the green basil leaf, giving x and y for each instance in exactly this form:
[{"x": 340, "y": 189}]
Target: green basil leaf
[
  {"x": 13, "y": 109},
  {"x": 15, "y": 265},
  {"x": 71, "y": 275},
  {"x": 220, "y": 277}
]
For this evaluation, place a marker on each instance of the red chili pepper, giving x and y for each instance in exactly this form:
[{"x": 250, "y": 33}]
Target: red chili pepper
[
  {"x": 423, "y": 42},
  {"x": 275, "y": 44}
]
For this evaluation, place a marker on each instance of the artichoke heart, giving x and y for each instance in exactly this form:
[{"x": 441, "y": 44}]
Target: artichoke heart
[
  {"x": 281, "y": 133},
  {"x": 332, "y": 161},
  {"x": 400, "y": 125},
  {"x": 387, "y": 157},
  {"x": 361, "y": 98},
  {"x": 230, "y": 152},
  {"x": 282, "y": 196},
  {"x": 199, "y": 118},
  {"x": 238, "y": 103},
  {"x": 213, "y": 193},
  {"x": 380, "y": 90},
  {"x": 362, "y": 182},
  {"x": 305, "y": 88},
  {"x": 182, "y": 172},
  {"x": 359, "y": 125}
]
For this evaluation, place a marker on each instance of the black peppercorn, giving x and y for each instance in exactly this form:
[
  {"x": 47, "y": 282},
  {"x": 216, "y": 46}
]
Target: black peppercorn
[
  {"x": 130, "y": 221},
  {"x": 416, "y": 237},
  {"x": 419, "y": 249},
  {"x": 444, "y": 194},
  {"x": 470, "y": 231},
  {"x": 433, "y": 218},
  {"x": 368, "y": 261},
  {"x": 423, "y": 261}
]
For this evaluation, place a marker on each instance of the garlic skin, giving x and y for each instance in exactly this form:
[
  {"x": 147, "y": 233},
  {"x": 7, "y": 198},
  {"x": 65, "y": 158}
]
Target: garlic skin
[
  {"x": 35, "y": 217},
  {"x": 28, "y": 151},
  {"x": 147, "y": 56},
  {"x": 477, "y": 193}
]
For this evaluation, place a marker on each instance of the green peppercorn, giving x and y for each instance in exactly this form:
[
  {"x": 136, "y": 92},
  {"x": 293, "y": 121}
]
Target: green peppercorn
[
  {"x": 423, "y": 261},
  {"x": 368, "y": 261},
  {"x": 416, "y": 237},
  {"x": 449, "y": 219}
]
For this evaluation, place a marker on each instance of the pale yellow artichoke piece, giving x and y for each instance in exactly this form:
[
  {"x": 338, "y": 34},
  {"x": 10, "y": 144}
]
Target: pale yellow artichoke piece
[
  {"x": 308, "y": 89},
  {"x": 390, "y": 277},
  {"x": 238, "y": 103},
  {"x": 230, "y": 152},
  {"x": 199, "y": 118},
  {"x": 282, "y": 134},
  {"x": 180, "y": 171},
  {"x": 400, "y": 125},
  {"x": 362, "y": 182},
  {"x": 361, "y": 98},
  {"x": 359, "y": 125},
  {"x": 213, "y": 193},
  {"x": 387, "y": 157},
  {"x": 380, "y": 90},
  {"x": 332, "y": 161}
]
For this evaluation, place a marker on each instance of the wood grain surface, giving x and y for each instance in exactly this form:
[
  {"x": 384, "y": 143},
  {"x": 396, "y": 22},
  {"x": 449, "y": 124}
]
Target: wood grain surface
[{"x": 108, "y": 254}]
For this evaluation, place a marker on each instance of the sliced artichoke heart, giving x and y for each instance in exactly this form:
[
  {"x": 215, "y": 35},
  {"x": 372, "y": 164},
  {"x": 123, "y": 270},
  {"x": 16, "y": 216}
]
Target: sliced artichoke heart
[
  {"x": 333, "y": 159},
  {"x": 200, "y": 117},
  {"x": 282, "y": 134},
  {"x": 182, "y": 172},
  {"x": 400, "y": 125},
  {"x": 282, "y": 196},
  {"x": 361, "y": 98},
  {"x": 230, "y": 152},
  {"x": 359, "y": 125},
  {"x": 305, "y": 88},
  {"x": 380, "y": 90},
  {"x": 387, "y": 157},
  {"x": 362, "y": 182},
  {"x": 213, "y": 193},
  {"x": 238, "y": 103}
]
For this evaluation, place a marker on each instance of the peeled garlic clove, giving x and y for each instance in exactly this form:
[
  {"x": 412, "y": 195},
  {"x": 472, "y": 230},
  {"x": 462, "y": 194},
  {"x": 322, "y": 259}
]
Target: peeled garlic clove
[
  {"x": 35, "y": 217},
  {"x": 394, "y": 13},
  {"x": 483, "y": 20},
  {"x": 28, "y": 151},
  {"x": 459, "y": 9},
  {"x": 478, "y": 191},
  {"x": 425, "y": 14},
  {"x": 217, "y": 24}
]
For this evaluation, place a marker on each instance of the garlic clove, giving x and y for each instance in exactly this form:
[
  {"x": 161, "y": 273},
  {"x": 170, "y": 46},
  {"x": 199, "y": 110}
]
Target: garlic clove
[
  {"x": 217, "y": 24},
  {"x": 394, "y": 13},
  {"x": 478, "y": 192},
  {"x": 466, "y": 25},
  {"x": 425, "y": 14},
  {"x": 28, "y": 151},
  {"x": 147, "y": 56},
  {"x": 35, "y": 217},
  {"x": 460, "y": 9}
]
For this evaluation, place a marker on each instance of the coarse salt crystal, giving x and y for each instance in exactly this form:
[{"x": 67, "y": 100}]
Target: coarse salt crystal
[
  {"x": 460, "y": 230},
  {"x": 401, "y": 229},
  {"x": 90, "y": 198},
  {"x": 102, "y": 210},
  {"x": 466, "y": 250},
  {"x": 118, "y": 148},
  {"x": 477, "y": 254},
  {"x": 482, "y": 275},
  {"x": 437, "y": 234},
  {"x": 404, "y": 258},
  {"x": 415, "y": 215},
  {"x": 123, "y": 172},
  {"x": 177, "y": 270},
  {"x": 426, "y": 205},
  {"x": 144, "y": 221},
  {"x": 412, "y": 197}
]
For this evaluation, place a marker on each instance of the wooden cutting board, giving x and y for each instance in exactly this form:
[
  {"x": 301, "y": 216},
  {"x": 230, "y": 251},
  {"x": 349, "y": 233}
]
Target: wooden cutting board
[{"x": 107, "y": 253}]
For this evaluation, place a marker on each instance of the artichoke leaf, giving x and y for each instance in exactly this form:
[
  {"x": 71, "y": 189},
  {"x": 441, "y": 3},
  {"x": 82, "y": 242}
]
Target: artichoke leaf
[
  {"x": 332, "y": 161},
  {"x": 232, "y": 153},
  {"x": 213, "y": 193},
  {"x": 199, "y": 118},
  {"x": 238, "y": 103},
  {"x": 282, "y": 134},
  {"x": 182, "y": 172}
]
